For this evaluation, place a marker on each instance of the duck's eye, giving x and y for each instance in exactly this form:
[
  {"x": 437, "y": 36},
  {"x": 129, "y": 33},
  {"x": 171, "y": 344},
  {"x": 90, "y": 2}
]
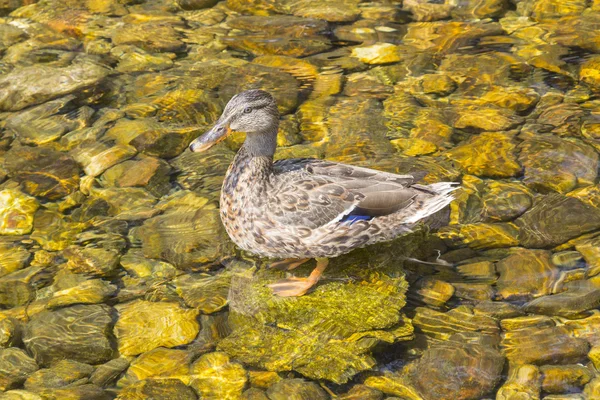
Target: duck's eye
[{"x": 247, "y": 110}]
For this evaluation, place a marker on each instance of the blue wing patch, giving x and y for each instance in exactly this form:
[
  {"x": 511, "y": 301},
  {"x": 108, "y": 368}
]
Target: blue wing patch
[{"x": 351, "y": 218}]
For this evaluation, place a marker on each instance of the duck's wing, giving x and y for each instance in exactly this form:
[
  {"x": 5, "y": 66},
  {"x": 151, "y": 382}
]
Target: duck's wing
[{"x": 314, "y": 193}]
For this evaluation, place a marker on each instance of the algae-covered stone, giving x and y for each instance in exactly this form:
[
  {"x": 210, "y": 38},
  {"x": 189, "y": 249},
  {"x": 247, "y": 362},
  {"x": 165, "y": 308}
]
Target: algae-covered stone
[
  {"x": 526, "y": 274},
  {"x": 554, "y": 219},
  {"x": 145, "y": 325},
  {"x": 296, "y": 389},
  {"x": 488, "y": 154},
  {"x": 214, "y": 376},
  {"x": 157, "y": 389},
  {"x": 379, "y": 53},
  {"x": 17, "y": 211},
  {"x": 96, "y": 157},
  {"x": 61, "y": 374},
  {"x": 332, "y": 341},
  {"x": 15, "y": 367},
  {"x": 26, "y": 86},
  {"x": 441, "y": 85},
  {"x": 85, "y": 335}
]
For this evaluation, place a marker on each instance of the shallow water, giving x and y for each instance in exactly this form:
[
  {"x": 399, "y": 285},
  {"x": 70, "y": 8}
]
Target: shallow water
[{"x": 118, "y": 280}]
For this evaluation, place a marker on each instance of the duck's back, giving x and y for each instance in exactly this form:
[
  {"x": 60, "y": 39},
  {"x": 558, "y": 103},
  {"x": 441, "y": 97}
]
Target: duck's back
[{"x": 315, "y": 208}]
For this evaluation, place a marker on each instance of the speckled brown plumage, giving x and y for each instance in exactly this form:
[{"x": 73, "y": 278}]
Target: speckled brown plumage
[{"x": 308, "y": 208}]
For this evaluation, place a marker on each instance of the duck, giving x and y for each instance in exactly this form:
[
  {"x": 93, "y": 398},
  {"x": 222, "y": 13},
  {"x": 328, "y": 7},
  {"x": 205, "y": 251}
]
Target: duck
[{"x": 299, "y": 209}]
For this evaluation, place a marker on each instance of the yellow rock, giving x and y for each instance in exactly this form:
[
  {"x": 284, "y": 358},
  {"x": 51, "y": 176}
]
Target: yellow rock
[
  {"x": 590, "y": 71},
  {"x": 489, "y": 154},
  {"x": 160, "y": 363},
  {"x": 414, "y": 147},
  {"x": 263, "y": 379},
  {"x": 441, "y": 85},
  {"x": 145, "y": 325},
  {"x": 378, "y": 53},
  {"x": 524, "y": 382},
  {"x": 486, "y": 118},
  {"x": 16, "y": 212},
  {"x": 215, "y": 377}
]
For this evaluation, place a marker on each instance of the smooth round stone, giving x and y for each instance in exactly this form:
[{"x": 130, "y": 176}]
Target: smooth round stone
[
  {"x": 91, "y": 261},
  {"x": 145, "y": 325},
  {"x": 362, "y": 392},
  {"x": 296, "y": 389},
  {"x": 524, "y": 382},
  {"x": 254, "y": 394},
  {"x": 84, "y": 335},
  {"x": 15, "y": 367},
  {"x": 12, "y": 257},
  {"x": 215, "y": 377},
  {"x": 82, "y": 392}
]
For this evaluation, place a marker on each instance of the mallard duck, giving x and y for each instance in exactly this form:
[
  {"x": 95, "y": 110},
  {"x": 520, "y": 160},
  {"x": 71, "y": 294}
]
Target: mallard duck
[{"x": 299, "y": 209}]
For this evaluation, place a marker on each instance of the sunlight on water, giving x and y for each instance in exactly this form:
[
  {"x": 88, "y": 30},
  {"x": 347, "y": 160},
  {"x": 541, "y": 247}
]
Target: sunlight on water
[{"x": 118, "y": 280}]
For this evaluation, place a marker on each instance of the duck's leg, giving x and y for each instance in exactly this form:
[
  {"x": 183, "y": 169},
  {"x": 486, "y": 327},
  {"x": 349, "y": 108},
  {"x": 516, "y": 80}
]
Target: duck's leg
[
  {"x": 288, "y": 264},
  {"x": 292, "y": 287}
]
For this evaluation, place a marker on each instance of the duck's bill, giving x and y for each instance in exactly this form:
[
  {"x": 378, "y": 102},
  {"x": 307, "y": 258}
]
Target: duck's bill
[{"x": 210, "y": 138}]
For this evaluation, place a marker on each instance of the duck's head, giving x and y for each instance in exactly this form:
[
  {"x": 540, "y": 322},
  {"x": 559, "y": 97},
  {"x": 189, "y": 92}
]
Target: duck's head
[{"x": 253, "y": 112}]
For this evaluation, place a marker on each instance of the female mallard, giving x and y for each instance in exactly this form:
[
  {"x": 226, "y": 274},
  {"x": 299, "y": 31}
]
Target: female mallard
[{"x": 299, "y": 209}]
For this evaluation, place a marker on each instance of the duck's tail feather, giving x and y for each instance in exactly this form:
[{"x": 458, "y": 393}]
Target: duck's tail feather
[{"x": 440, "y": 197}]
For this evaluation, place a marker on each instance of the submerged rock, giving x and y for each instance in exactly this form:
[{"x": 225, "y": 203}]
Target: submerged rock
[
  {"x": 458, "y": 369},
  {"x": 157, "y": 389},
  {"x": 215, "y": 377},
  {"x": 63, "y": 373},
  {"x": 564, "y": 378},
  {"x": 26, "y": 86},
  {"x": 488, "y": 154},
  {"x": 554, "y": 219},
  {"x": 43, "y": 172},
  {"x": 17, "y": 211},
  {"x": 186, "y": 234},
  {"x": 526, "y": 274},
  {"x": 15, "y": 367},
  {"x": 160, "y": 363},
  {"x": 85, "y": 335},
  {"x": 296, "y": 389},
  {"x": 556, "y": 164},
  {"x": 331, "y": 341},
  {"x": 146, "y": 325}
]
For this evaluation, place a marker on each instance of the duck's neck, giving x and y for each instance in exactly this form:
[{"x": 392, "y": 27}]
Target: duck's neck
[{"x": 252, "y": 164}]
